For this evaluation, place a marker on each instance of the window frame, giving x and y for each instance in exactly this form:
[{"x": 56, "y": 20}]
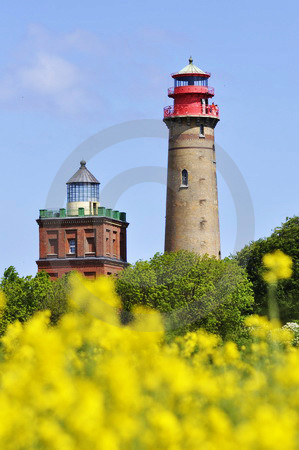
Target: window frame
[
  {"x": 72, "y": 246},
  {"x": 184, "y": 178}
]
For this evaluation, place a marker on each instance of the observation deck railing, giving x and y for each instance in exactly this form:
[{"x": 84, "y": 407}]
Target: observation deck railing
[
  {"x": 192, "y": 89},
  {"x": 64, "y": 213},
  {"x": 192, "y": 109}
]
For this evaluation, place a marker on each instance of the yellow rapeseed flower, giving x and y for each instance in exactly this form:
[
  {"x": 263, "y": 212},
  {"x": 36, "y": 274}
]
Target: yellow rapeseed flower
[
  {"x": 91, "y": 382},
  {"x": 279, "y": 266}
]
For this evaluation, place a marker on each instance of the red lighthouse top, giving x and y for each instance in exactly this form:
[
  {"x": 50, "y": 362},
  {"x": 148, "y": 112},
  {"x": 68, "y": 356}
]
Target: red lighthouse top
[
  {"x": 191, "y": 94},
  {"x": 191, "y": 70}
]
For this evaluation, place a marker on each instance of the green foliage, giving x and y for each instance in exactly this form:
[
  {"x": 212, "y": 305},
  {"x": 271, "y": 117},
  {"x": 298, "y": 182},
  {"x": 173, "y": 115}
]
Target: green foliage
[
  {"x": 191, "y": 292},
  {"x": 26, "y": 295},
  {"x": 286, "y": 239},
  {"x": 56, "y": 300}
]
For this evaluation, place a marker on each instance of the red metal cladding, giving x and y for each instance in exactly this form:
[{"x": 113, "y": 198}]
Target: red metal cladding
[
  {"x": 179, "y": 90},
  {"x": 193, "y": 109},
  {"x": 191, "y": 94},
  {"x": 192, "y": 74}
]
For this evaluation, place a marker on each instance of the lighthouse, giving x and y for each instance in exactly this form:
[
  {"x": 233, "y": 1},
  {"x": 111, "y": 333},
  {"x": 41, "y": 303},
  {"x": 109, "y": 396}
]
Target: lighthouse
[
  {"x": 84, "y": 236},
  {"x": 192, "y": 220}
]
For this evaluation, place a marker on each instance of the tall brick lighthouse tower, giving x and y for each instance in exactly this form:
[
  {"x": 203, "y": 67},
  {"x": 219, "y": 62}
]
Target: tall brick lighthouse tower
[{"x": 192, "y": 221}]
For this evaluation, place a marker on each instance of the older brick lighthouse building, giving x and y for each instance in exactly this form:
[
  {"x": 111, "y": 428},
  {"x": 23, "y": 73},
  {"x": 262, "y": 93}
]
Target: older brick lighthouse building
[
  {"x": 84, "y": 236},
  {"x": 192, "y": 221}
]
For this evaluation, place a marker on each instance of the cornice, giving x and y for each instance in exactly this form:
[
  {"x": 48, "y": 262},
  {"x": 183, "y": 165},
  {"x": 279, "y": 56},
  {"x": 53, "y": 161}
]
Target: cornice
[
  {"x": 75, "y": 262},
  {"x": 60, "y": 222}
]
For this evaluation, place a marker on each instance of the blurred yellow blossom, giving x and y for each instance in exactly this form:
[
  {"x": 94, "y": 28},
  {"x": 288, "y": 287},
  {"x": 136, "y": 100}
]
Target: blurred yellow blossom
[
  {"x": 279, "y": 266},
  {"x": 91, "y": 382}
]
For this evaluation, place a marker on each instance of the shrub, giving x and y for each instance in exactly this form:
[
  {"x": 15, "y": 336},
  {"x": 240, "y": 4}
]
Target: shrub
[
  {"x": 286, "y": 239},
  {"x": 26, "y": 295},
  {"x": 190, "y": 291},
  {"x": 294, "y": 328}
]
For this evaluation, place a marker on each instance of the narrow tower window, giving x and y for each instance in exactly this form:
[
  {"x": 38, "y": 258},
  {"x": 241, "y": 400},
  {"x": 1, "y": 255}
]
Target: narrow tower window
[
  {"x": 72, "y": 246},
  {"x": 91, "y": 248},
  {"x": 53, "y": 246},
  {"x": 184, "y": 177},
  {"x": 201, "y": 131}
]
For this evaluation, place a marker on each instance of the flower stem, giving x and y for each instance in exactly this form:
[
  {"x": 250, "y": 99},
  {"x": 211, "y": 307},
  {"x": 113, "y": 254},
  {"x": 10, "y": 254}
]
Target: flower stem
[{"x": 272, "y": 302}]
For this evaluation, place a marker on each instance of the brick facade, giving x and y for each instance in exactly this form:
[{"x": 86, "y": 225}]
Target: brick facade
[
  {"x": 90, "y": 245},
  {"x": 192, "y": 221}
]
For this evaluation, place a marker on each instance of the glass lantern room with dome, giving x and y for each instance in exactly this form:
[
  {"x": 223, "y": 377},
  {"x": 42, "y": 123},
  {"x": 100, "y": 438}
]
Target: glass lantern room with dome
[{"x": 83, "y": 186}]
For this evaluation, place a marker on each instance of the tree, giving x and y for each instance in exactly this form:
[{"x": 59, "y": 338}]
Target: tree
[
  {"x": 26, "y": 295},
  {"x": 57, "y": 299},
  {"x": 190, "y": 291},
  {"x": 286, "y": 239}
]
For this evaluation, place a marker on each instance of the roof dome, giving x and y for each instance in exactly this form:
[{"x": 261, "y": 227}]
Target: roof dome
[
  {"x": 83, "y": 175},
  {"x": 191, "y": 69}
]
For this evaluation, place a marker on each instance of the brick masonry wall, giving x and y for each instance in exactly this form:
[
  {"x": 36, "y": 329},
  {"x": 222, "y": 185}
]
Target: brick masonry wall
[
  {"x": 110, "y": 252},
  {"x": 192, "y": 221},
  {"x": 90, "y": 269}
]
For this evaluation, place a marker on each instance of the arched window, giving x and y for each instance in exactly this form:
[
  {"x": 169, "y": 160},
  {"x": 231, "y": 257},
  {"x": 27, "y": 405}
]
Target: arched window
[{"x": 184, "y": 177}]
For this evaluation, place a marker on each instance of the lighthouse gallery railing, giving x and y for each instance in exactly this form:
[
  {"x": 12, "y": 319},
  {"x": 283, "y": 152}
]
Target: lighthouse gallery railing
[{"x": 193, "y": 109}]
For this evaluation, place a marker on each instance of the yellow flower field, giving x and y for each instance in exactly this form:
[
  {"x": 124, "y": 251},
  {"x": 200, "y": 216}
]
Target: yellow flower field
[{"x": 91, "y": 383}]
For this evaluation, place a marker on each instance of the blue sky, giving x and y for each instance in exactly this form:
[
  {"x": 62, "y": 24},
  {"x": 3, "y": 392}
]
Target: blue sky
[{"x": 71, "y": 69}]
